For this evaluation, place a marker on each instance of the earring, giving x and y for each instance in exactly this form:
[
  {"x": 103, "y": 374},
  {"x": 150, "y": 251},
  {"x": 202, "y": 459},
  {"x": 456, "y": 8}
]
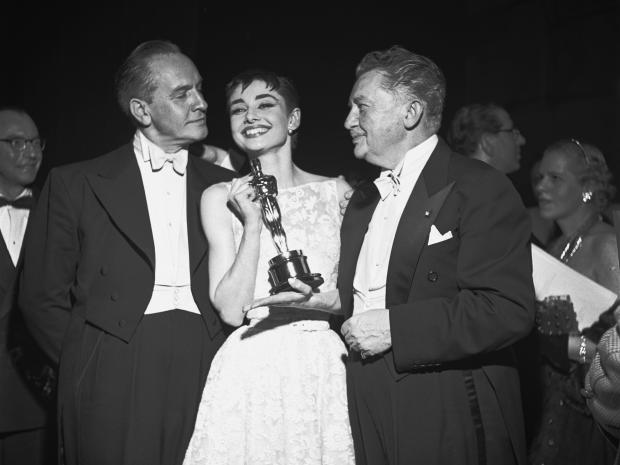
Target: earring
[
  {"x": 290, "y": 131},
  {"x": 586, "y": 196}
]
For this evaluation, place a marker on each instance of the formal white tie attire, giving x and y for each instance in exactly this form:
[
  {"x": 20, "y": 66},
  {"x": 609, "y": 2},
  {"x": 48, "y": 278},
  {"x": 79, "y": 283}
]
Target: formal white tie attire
[
  {"x": 388, "y": 183},
  {"x": 395, "y": 187},
  {"x": 13, "y": 222},
  {"x": 165, "y": 186}
]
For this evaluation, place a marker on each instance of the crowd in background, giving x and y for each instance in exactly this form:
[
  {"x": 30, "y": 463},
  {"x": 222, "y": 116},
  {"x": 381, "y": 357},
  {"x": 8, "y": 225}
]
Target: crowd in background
[{"x": 569, "y": 375}]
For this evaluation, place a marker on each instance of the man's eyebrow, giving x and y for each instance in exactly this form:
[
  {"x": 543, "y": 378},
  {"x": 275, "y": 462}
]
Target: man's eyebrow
[{"x": 181, "y": 88}]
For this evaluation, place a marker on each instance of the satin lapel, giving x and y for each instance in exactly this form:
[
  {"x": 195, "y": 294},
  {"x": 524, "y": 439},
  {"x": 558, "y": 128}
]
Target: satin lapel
[
  {"x": 425, "y": 202},
  {"x": 411, "y": 236},
  {"x": 20, "y": 258},
  {"x": 118, "y": 186},
  {"x": 197, "y": 242},
  {"x": 353, "y": 230},
  {"x": 7, "y": 269}
]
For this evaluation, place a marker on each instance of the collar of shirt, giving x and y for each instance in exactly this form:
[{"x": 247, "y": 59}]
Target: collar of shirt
[
  {"x": 150, "y": 152},
  {"x": 404, "y": 176}
]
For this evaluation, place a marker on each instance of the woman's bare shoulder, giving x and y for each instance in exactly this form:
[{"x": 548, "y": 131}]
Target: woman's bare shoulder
[
  {"x": 601, "y": 248},
  {"x": 604, "y": 244},
  {"x": 217, "y": 190},
  {"x": 215, "y": 195}
]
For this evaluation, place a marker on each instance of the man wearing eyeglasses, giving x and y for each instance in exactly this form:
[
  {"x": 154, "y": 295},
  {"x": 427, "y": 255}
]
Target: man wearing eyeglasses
[
  {"x": 487, "y": 133},
  {"x": 23, "y": 417},
  {"x": 115, "y": 277}
]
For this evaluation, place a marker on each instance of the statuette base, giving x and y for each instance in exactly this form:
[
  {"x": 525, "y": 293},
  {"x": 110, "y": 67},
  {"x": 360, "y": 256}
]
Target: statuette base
[{"x": 291, "y": 264}]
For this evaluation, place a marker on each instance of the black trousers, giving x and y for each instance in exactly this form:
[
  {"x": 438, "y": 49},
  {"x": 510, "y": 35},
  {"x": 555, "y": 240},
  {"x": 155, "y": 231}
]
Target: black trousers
[
  {"x": 136, "y": 402},
  {"x": 428, "y": 420},
  {"x": 30, "y": 447}
]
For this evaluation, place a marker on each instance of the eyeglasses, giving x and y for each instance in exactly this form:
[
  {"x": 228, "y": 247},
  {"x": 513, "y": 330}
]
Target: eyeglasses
[
  {"x": 19, "y": 144},
  {"x": 582, "y": 150},
  {"x": 513, "y": 130}
]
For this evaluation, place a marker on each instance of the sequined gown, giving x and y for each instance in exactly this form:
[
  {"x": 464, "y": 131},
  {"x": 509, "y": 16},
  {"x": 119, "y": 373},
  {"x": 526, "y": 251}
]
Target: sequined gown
[
  {"x": 566, "y": 434},
  {"x": 276, "y": 390}
]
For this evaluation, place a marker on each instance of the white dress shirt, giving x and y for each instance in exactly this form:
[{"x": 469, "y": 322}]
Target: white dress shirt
[
  {"x": 166, "y": 199},
  {"x": 13, "y": 222},
  {"x": 370, "y": 279}
]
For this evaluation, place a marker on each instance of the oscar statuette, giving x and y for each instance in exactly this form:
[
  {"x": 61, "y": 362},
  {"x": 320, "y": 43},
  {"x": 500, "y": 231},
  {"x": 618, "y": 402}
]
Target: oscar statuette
[{"x": 288, "y": 263}]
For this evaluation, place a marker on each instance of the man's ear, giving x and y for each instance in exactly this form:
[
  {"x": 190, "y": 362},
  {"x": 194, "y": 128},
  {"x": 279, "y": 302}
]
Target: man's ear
[
  {"x": 485, "y": 144},
  {"x": 414, "y": 113},
  {"x": 139, "y": 109}
]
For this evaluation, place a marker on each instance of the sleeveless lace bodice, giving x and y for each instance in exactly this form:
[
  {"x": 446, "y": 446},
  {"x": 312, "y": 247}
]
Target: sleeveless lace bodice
[
  {"x": 276, "y": 392},
  {"x": 311, "y": 220}
]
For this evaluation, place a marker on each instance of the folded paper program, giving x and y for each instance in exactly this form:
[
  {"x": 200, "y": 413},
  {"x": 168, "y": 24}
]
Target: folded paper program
[{"x": 554, "y": 278}]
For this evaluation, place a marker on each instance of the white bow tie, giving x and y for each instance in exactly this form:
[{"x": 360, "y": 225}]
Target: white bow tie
[
  {"x": 178, "y": 160},
  {"x": 387, "y": 183}
]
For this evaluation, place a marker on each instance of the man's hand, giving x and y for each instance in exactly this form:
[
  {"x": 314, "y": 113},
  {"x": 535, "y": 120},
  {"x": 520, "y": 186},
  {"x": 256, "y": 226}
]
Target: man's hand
[{"x": 369, "y": 332}]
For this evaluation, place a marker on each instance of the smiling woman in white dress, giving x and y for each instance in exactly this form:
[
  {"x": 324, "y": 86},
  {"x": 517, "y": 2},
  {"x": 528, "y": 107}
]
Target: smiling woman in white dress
[{"x": 276, "y": 390}]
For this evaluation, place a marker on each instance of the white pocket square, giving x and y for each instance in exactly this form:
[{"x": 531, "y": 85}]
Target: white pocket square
[{"x": 435, "y": 236}]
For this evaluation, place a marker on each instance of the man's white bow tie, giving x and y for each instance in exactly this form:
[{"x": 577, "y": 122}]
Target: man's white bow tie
[
  {"x": 387, "y": 183},
  {"x": 178, "y": 160}
]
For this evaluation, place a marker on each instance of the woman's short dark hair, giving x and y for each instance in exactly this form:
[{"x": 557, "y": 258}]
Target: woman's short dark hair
[
  {"x": 276, "y": 82},
  {"x": 283, "y": 85},
  {"x": 409, "y": 74},
  {"x": 134, "y": 78}
]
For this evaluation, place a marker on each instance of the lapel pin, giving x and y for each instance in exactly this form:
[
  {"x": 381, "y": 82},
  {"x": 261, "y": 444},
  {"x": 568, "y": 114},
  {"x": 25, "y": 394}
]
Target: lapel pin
[{"x": 427, "y": 213}]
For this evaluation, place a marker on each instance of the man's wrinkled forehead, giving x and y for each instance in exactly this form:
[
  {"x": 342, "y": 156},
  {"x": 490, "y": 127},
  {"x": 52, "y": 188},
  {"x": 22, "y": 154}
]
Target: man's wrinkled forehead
[
  {"x": 364, "y": 85},
  {"x": 370, "y": 87},
  {"x": 173, "y": 67}
]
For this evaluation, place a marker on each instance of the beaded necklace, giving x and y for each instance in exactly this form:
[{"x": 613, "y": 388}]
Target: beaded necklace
[{"x": 574, "y": 242}]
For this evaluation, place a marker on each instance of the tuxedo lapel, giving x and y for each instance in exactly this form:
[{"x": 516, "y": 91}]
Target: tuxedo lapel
[
  {"x": 353, "y": 230},
  {"x": 196, "y": 239},
  {"x": 20, "y": 258},
  {"x": 118, "y": 186},
  {"x": 425, "y": 202},
  {"x": 411, "y": 237},
  {"x": 7, "y": 269}
]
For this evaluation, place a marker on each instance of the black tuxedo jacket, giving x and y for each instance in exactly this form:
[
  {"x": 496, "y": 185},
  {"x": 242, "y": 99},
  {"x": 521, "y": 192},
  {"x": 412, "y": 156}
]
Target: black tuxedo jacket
[
  {"x": 89, "y": 255},
  {"x": 20, "y": 408},
  {"x": 458, "y": 304}
]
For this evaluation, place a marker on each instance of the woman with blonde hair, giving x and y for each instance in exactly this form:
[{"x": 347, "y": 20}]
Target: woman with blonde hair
[{"x": 573, "y": 189}]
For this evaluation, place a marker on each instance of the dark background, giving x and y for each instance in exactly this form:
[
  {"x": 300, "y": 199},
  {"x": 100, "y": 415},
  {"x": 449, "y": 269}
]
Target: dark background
[{"x": 552, "y": 64}]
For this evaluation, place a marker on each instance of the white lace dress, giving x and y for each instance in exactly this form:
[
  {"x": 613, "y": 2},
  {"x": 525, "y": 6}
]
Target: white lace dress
[{"x": 276, "y": 390}]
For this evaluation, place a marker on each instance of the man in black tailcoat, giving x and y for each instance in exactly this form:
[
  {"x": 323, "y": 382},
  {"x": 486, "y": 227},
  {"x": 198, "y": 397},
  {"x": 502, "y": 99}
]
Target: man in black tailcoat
[{"x": 115, "y": 279}]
